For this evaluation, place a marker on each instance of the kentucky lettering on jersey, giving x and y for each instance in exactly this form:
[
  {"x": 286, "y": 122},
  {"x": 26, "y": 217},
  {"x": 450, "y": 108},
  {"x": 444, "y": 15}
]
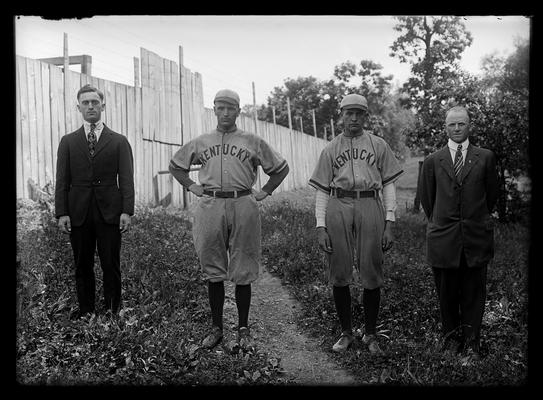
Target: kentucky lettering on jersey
[
  {"x": 354, "y": 153},
  {"x": 228, "y": 150},
  {"x": 364, "y": 162},
  {"x": 229, "y": 161}
]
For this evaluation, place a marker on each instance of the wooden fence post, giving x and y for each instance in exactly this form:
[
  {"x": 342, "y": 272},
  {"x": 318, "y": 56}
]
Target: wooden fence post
[
  {"x": 136, "y": 72},
  {"x": 184, "y": 190},
  {"x": 314, "y": 124},
  {"x": 254, "y": 108},
  {"x": 289, "y": 117},
  {"x": 66, "y": 72}
]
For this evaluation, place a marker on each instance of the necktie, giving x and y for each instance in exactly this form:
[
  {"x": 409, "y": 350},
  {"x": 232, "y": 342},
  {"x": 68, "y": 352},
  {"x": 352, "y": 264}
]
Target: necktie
[
  {"x": 92, "y": 139},
  {"x": 458, "y": 162}
]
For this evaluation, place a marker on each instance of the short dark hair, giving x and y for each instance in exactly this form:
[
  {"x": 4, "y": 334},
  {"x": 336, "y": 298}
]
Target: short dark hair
[{"x": 88, "y": 88}]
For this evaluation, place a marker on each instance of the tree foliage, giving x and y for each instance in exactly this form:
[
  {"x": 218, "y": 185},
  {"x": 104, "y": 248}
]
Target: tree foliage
[
  {"x": 433, "y": 46},
  {"x": 497, "y": 101},
  {"x": 309, "y": 95}
]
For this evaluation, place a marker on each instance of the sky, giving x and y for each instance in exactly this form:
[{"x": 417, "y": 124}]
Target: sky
[{"x": 236, "y": 51}]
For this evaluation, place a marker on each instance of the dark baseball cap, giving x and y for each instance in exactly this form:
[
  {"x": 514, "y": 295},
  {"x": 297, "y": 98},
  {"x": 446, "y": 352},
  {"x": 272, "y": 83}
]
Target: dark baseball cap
[{"x": 228, "y": 96}]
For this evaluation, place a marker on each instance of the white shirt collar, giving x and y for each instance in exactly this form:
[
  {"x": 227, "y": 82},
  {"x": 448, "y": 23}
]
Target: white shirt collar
[
  {"x": 98, "y": 128},
  {"x": 454, "y": 146}
]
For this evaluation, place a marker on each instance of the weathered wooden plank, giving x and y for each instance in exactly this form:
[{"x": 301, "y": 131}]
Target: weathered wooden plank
[
  {"x": 176, "y": 104},
  {"x": 138, "y": 154},
  {"x": 48, "y": 150},
  {"x": 33, "y": 120},
  {"x": 19, "y": 163},
  {"x": 124, "y": 111},
  {"x": 162, "y": 125},
  {"x": 131, "y": 129},
  {"x": 39, "y": 177},
  {"x": 76, "y": 120},
  {"x": 58, "y": 127}
]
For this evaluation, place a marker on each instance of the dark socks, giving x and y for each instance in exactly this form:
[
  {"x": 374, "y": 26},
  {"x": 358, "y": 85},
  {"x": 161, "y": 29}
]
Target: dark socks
[
  {"x": 370, "y": 300},
  {"x": 243, "y": 302},
  {"x": 216, "y": 301},
  {"x": 342, "y": 300}
]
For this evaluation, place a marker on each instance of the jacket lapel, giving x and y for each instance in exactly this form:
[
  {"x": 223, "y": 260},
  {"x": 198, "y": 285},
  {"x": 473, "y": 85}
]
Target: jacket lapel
[
  {"x": 446, "y": 162},
  {"x": 472, "y": 157},
  {"x": 105, "y": 137},
  {"x": 81, "y": 140}
]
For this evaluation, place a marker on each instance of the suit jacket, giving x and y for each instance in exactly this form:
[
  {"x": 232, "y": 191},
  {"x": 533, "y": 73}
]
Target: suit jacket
[
  {"x": 108, "y": 176},
  {"x": 459, "y": 213}
]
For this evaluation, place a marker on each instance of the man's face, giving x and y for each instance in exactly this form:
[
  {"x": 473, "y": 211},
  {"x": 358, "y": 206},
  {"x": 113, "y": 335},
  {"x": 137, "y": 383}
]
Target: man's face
[
  {"x": 457, "y": 125},
  {"x": 91, "y": 106},
  {"x": 353, "y": 120},
  {"x": 226, "y": 114}
]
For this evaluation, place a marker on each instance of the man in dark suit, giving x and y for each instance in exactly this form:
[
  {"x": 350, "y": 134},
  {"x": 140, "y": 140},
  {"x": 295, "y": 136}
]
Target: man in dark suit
[
  {"x": 458, "y": 191},
  {"x": 94, "y": 200}
]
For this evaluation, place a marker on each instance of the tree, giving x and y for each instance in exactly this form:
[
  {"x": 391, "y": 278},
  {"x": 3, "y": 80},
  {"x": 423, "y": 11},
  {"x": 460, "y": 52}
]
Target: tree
[
  {"x": 505, "y": 84},
  {"x": 499, "y": 119},
  {"x": 305, "y": 94},
  {"x": 433, "y": 46}
]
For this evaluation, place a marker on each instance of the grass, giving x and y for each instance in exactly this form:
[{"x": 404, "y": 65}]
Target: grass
[
  {"x": 165, "y": 312},
  {"x": 164, "y": 316},
  {"x": 409, "y": 316}
]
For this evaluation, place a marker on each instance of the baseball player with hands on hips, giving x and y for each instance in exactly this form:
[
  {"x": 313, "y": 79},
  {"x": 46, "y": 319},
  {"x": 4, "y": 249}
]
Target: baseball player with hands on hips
[
  {"x": 226, "y": 228},
  {"x": 353, "y": 227}
]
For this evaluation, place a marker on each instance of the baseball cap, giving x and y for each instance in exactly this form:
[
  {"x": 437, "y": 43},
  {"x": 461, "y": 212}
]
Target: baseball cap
[
  {"x": 354, "y": 101},
  {"x": 228, "y": 96}
]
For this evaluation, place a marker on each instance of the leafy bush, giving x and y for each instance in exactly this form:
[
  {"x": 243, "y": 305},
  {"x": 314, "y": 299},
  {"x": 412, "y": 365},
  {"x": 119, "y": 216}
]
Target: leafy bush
[
  {"x": 155, "y": 340},
  {"x": 409, "y": 315}
]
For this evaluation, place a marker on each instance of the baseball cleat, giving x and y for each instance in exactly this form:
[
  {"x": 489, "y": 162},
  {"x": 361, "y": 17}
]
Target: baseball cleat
[
  {"x": 345, "y": 340},
  {"x": 213, "y": 338}
]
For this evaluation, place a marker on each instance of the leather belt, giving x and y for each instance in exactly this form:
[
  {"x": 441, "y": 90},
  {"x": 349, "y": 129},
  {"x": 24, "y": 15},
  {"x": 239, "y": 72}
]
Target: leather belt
[
  {"x": 224, "y": 195},
  {"x": 355, "y": 194},
  {"x": 96, "y": 182}
]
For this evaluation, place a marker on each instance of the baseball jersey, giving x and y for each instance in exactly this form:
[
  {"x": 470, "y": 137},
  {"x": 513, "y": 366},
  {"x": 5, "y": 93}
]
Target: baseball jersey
[
  {"x": 364, "y": 162},
  {"x": 229, "y": 161}
]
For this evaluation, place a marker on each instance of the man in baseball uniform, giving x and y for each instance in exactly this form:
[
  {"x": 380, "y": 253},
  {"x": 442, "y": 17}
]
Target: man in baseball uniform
[
  {"x": 353, "y": 228},
  {"x": 226, "y": 229}
]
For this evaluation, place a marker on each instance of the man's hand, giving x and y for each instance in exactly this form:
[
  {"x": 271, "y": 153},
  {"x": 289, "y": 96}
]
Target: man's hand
[
  {"x": 124, "y": 223},
  {"x": 64, "y": 224},
  {"x": 324, "y": 239},
  {"x": 261, "y": 195},
  {"x": 198, "y": 190},
  {"x": 388, "y": 237}
]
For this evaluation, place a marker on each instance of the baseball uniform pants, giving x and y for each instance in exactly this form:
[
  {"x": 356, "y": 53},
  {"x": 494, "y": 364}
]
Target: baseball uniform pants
[
  {"x": 226, "y": 236},
  {"x": 355, "y": 228}
]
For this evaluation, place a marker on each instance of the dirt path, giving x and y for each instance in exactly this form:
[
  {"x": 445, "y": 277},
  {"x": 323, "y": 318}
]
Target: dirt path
[{"x": 272, "y": 320}]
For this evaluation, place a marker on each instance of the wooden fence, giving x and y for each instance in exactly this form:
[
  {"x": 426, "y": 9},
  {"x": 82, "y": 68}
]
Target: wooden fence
[{"x": 157, "y": 117}]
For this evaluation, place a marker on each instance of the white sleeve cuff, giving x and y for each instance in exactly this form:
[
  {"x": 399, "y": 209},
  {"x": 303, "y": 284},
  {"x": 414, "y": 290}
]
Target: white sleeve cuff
[
  {"x": 389, "y": 200},
  {"x": 321, "y": 202}
]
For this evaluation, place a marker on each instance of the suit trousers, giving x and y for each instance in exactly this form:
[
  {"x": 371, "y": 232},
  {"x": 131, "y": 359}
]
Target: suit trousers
[
  {"x": 461, "y": 293},
  {"x": 85, "y": 239}
]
